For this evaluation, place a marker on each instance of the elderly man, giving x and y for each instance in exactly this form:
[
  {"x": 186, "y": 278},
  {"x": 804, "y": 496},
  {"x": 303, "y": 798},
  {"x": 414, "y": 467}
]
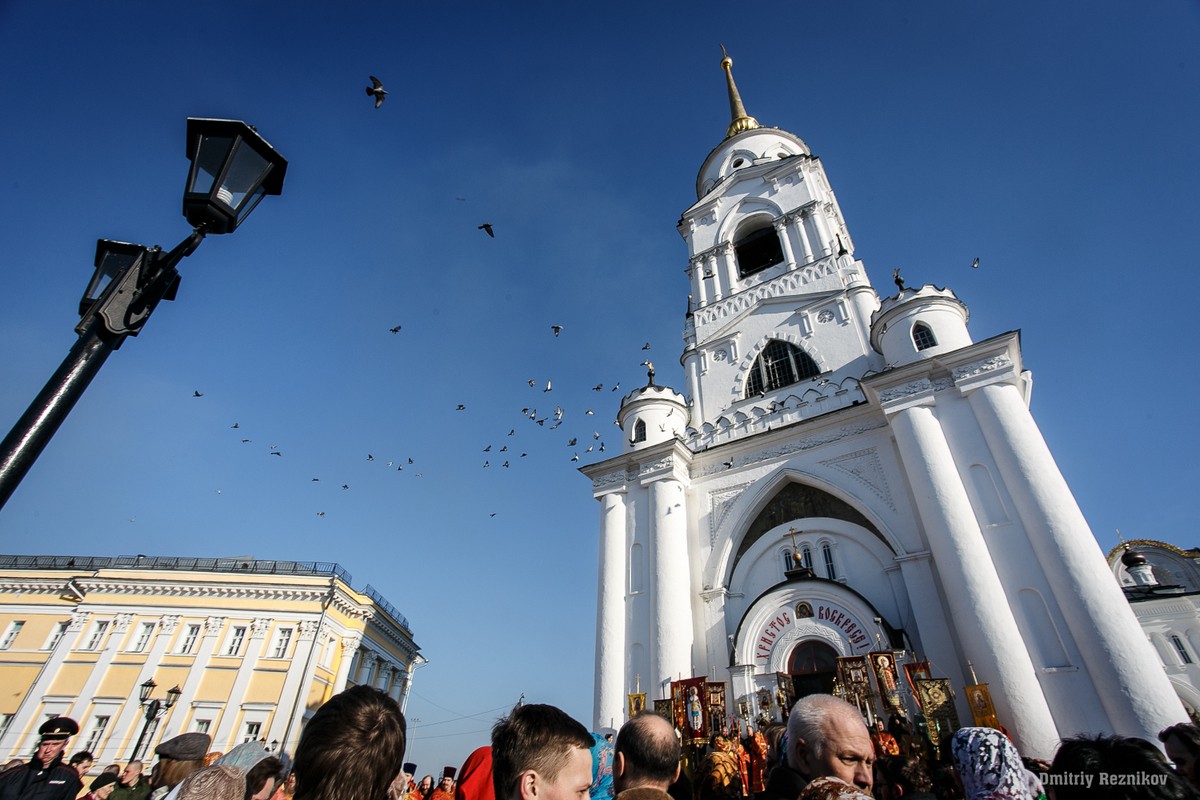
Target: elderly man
[
  {"x": 45, "y": 776},
  {"x": 826, "y": 737},
  {"x": 540, "y": 753},
  {"x": 646, "y": 759}
]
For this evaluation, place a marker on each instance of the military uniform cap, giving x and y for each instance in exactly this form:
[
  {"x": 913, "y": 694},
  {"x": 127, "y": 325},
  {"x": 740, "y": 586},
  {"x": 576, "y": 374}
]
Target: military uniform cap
[
  {"x": 185, "y": 747},
  {"x": 58, "y": 729}
]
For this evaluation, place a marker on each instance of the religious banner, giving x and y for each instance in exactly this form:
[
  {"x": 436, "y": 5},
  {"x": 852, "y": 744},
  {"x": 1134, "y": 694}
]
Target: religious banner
[
  {"x": 690, "y": 697},
  {"x": 663, "y": 709},
  {"x": 983, "y": 712},
  {"x": 936, "y": 699},
  {"x": 715, "y": 696},
  {"x": 916, "y": 671},
  {"x": 785, "y": 692},
  {"x": 854, "y": 676},
  {"x": 883, "y": 663},
  {"x": 637, "y": 703}
]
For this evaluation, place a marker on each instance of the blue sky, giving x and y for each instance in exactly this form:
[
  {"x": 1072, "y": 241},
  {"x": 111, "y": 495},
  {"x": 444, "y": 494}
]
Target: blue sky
[{"x": 1053, "y": 141}]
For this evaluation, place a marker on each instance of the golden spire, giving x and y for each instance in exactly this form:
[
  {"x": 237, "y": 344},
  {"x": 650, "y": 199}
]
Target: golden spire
[{"x": 741, "y": 120}]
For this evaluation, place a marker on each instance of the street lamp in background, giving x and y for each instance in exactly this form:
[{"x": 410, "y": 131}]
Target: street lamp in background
[
  {"x": 154, "y": 709},
  {"x": 232, "y": 169}
]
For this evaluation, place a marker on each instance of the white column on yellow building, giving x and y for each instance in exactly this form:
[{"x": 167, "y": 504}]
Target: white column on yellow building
[
  {"x": 222, "y": 738},
  {"x": 27, "y": 711},
  {"x": 609, "y": 703},
  {"x": 129, "y": 721},
  {"x": 347, "y": 660},
  {"x": 293, "y": 698},
  {"x": 983, "y": 620},
  {"x": 116, "y": 636},
  {"x": 1138, "y": 696},
  {"x": 212, "y": 632}
]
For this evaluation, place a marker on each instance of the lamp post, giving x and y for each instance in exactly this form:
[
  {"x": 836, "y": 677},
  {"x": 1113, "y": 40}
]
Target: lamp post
[
  {"x": 154, "y": 709},
  {"x": 232, "y": 169}
]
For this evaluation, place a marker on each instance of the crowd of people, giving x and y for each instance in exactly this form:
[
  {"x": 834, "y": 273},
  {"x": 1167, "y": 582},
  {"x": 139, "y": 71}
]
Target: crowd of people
[{"x": 353, "y": 749}]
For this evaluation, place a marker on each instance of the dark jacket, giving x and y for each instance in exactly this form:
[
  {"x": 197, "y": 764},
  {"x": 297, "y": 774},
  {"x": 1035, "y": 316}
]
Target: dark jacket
[
  {"x": 139, "y": 791},
  {"x": 784, "y": 783},
  {"x": 33, "y": 782}
]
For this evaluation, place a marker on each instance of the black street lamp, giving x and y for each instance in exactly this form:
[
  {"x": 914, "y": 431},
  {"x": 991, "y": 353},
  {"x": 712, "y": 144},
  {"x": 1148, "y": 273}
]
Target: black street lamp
[
  {"x": 154, "y": 709},
  {"x": 232, "y": 169}
]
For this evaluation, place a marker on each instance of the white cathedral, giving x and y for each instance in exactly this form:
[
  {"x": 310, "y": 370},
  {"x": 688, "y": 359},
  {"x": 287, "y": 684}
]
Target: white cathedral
[{"x": 873, "y": 437}]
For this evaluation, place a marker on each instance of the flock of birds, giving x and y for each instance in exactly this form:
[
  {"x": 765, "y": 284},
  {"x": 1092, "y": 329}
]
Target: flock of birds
[{"x": 504, "y": 449}]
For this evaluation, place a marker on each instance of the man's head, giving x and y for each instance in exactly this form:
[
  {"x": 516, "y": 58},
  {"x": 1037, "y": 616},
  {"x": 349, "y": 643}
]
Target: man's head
[
  {"x": 82, "y": 762},
  {"x": 352, "y": 748},
  {"x": 540, "y": 753},
  {"x": 827, "y": 737},
  {"x": 647, "y": 754},
  {"x": 262, "y": 778},
  {"x": 132, "y": 774},
  {"x": 54, "y": 735},
  {"x": 447, "y": 782},
  {"x": 1115, "y": 768},
  {"x": 1182, "y": 743},
  {"x": 426, "y": 784}
]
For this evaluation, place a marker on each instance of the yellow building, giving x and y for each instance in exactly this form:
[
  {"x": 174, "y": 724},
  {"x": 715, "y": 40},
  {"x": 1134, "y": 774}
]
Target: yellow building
[{"x": 241, "y": 649}]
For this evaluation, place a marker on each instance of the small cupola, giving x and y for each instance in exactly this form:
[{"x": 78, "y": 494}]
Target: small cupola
[
  {"x": 652, "y": 414},
  {"x": 1138, "y": 567},
  {"x": 916, "y": 324}
]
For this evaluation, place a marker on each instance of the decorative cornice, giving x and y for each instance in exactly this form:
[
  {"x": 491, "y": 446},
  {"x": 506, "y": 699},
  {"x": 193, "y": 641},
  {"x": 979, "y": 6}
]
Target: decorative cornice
[
  {"x": 789, "y": 283},
  {"x": 784, "y": 449},
  {"x": 609, "y": 479},
  {"x": 991, "y": 364}
]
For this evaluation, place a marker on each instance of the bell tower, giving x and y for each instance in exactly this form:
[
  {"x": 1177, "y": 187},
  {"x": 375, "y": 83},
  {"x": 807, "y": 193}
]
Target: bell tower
[{"x": 778, "y": 296}]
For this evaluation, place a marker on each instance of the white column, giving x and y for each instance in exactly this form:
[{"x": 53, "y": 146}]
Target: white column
[
  {"x": 120, "y": 626},
  {"x": 293, "y": 698},
  {"x": 716, "y": 281},
  {"x": 700, "y": 283},
  {"x": 801, "y": 228},
  {"x": 406, "y": 686},
  {"x": 212, "y": 632},
  {"x": 983, "y": 619},
  {"x": 610, "y": 618},
  {"x": 781, "y": 230},
  {"x": 349, "y": 653},
  {"x": 129, "y": 722},
  {"x": 929, "y": 617},
  {"x": 222, "y": 739},
  {"x": 10, "y": 743},
  {"x": 824, "y": 244},
  {"x": 728, "y": 265},
  {"x": 1134, "y": 690},
  {"x": 672, "y": 624}
]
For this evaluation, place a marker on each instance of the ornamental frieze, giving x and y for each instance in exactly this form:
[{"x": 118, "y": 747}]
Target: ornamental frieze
[{"x": 980, "y": 367}]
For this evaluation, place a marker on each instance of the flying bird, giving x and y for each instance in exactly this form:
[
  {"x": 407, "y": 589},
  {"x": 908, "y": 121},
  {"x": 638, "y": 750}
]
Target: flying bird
[
  {"x": 245, "y": 441},
  {"x": 598, "y": 387},
  {"x": 571, "y": 443},
  {"x": 532, "y": 383},
  {"x": 549, "y": 386},
  {"x": 646, "y": 346},
  {"x": 486, "y": 465},
  {"x": 557, "y": 329},
  {"x": 197, "y": 393},
  {"x": 589, "y": 412},
  {"x": 975, "y": 264},
  {"x": 376, "y": 90},
  {"x": 575, "y": 457},
  {"x": 235, "y": 425},
  {"x": 370, "y": 457},
  {"x": 487, "y": 449},
  {"x": 511, "y": 432},
  {"x": 487, "y": 228},
  {"x": 345, "y": 486},
  {"x": 728, "y": 464},
  {"x": 460, "y": 407},
  {"x": 276, "y": 453},
  {"x": 618, "y": 386},
  {"x": 320, "y": 513},
  {"x": 395, "y": 329},
  {"x": 505, "y": 465}
]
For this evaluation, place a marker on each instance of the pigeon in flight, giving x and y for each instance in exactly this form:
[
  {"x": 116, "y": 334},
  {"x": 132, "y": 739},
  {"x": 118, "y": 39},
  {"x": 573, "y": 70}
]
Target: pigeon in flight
[
  {"x": 459, "y": 407},
  {"x": 395, "y": 329},
  {"x": 235, "y": 425},
  {"x": 376, "y": 90},
  {"x": 975, "y": 264},
  {"x": 549, "y": 386},
  {"x": 197, "y": 393},
  {"x": 598, "y": 387},
  {"x": 557, "y": 329},
  {"x": 646, "y": 346},
  {"x": 487, "y": 228}
]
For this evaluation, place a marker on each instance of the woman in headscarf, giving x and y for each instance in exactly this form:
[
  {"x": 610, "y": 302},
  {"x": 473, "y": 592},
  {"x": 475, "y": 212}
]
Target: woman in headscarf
[{"x": 989, "y": 765}]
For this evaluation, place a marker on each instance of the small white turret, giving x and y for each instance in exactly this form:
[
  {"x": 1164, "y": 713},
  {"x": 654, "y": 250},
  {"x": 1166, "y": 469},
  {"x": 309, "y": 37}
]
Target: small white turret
[
  {"x": 652, "y": 414},
  {"x": 917, "y": 324}
]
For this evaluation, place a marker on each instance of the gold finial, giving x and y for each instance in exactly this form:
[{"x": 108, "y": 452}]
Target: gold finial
[
  {"x": 741, "y": 120},
  {"x": 796, "y": 557}
]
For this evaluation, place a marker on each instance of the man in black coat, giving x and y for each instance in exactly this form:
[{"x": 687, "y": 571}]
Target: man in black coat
[{"x": 45, "y": 777}]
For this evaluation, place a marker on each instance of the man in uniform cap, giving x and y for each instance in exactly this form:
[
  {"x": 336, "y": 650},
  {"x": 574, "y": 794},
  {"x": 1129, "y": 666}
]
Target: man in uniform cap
[{"x": 45, "y": 776}]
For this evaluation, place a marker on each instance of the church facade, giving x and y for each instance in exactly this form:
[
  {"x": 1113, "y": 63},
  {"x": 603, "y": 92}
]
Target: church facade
[{"x": 844, "y": 472}]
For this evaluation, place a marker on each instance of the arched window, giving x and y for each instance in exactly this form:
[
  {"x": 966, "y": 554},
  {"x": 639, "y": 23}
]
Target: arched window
[
  {"x": 923, "y": 336},
  {"x": 639, "y": 432},
  {"x": 827, "y": 554},
  {"x": 806, "y": 556},
  {"x": 779, "y": 364},
  {"x": 1177, "y": 643},
  {"x": 757, "y": 247}
]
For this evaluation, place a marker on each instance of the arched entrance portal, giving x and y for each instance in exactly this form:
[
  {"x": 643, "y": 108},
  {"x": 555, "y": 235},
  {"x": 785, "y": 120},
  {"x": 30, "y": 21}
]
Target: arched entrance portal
[{"x": 813, "y": 666}]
